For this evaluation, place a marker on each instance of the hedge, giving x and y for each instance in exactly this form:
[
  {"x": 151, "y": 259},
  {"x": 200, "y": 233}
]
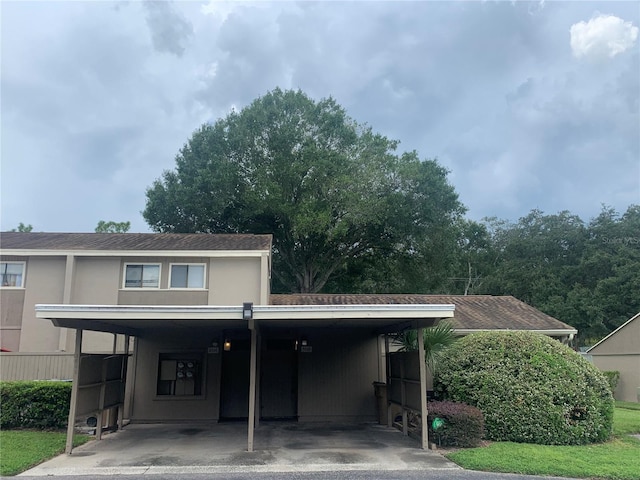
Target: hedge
[
  {"x": 529, "y": 387},
  {"x": 460, "y": 425},
  {"x": 613, "y": 377},
  {"x": 34, "y": 404}
]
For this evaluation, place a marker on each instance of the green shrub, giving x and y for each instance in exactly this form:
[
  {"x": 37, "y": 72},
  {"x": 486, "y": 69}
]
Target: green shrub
[
  {"x": 529, "y": 387},
  {"x": 36, "y": 404},
  {"x": 463, "y": 424},
  {"x": 612, "y": 376}
]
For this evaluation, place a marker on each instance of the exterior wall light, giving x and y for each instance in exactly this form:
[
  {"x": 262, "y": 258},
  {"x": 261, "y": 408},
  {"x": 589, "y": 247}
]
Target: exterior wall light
[
  {"x": 247, "y": 311},
  {"x": 227, "y": 345}
]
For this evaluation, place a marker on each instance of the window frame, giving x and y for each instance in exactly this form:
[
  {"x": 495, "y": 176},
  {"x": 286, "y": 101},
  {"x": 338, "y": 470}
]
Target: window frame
[
  {"x": 154, "y": 264},
  {"x": 22, "y": 275},
  {"x": 187, "y": 264}
]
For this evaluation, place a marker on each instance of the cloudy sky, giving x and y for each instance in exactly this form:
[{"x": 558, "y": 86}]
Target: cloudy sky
[{"x": 528, "y": 104}]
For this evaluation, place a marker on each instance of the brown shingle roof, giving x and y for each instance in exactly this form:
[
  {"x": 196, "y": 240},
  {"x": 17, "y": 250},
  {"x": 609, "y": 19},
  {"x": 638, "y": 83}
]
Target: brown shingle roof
[
  {"x": 132, "y": 241},
  {"x": 474, "y": 312}
]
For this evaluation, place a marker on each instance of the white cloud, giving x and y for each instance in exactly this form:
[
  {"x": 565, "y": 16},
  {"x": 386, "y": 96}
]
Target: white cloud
[{"x": 602, "y": 36}]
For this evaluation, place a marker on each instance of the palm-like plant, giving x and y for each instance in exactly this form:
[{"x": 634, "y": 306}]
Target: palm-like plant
[{"x": 436, "y": 339}]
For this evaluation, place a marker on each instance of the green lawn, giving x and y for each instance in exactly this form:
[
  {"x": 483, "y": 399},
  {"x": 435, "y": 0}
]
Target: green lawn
[
  {"x": 628, "y": 405},
  {"x": 626, "y": 422},
  {"x": 618, "y": 459},
  {"x": 22, "y": 449}
]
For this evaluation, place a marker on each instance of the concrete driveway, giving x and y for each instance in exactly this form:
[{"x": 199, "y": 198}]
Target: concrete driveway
[{"x": 221, "y": 448}]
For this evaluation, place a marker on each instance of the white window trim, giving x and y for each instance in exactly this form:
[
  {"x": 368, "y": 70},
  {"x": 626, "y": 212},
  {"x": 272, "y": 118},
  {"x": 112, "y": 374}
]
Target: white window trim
[
  {"x": 124, "y": 276},
  {"x": 24, "y": 273},
  {"x": 198, "y": 264}
]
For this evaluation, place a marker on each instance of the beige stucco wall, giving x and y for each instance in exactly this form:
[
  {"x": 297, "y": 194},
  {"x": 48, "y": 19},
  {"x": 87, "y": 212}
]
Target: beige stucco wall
[
  {"x": 148, "y": 407},
  {"x": 629, "y": 368},
  {"x": 233, "y": 281},
  {"x": 44, "y": 282},
  {"x": 625, "y": 340},
  {"x": 98, "y": 281},
  {"x": 161, "y": 297},
  {"x": 335, "y": 380},
  {"x": 95, "y": 282},
  {"x": 621, "y": 352}
]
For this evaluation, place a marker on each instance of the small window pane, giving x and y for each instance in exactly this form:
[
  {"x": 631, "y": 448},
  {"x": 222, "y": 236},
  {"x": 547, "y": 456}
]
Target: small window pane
[
  {"x": 196, "y": 276},
  {"x": 133, "y": 276},
  {"x": 11, "y": 274},
  {"x": 179, "y": 276},
  {"x": 150, "y": 276}
]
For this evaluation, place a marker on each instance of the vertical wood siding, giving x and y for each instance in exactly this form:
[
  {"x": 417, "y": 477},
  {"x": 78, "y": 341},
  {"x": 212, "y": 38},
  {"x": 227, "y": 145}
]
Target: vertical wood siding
[{"x": 36, "y": 366}]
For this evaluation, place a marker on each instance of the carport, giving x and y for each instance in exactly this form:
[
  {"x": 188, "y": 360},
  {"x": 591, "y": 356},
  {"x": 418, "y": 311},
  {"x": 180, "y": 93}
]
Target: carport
[{"x": 261, "y": 322}]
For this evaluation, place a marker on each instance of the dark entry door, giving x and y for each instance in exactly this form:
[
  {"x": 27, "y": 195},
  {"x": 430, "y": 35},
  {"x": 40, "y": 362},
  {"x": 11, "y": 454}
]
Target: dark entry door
[
  {"x": 279, "y": 375},
  {"x": 234, "y": 392}
]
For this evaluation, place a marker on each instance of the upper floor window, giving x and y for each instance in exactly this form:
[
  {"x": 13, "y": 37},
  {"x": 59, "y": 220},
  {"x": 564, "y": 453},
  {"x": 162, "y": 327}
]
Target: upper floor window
[
  {"x": 142, "y": 275},
  {"x": 12, "y": 274},
  {"x": 187, "y": 275}
]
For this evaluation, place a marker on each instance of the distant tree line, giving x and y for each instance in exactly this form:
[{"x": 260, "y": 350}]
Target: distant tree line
[{"x": 585, "y": 274}]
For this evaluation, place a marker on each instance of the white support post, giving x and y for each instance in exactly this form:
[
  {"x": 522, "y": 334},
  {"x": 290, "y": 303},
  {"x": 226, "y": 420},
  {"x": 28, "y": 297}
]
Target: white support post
[
  {"x": 403, "y": 401},
  {"x": 123, "y": 376},
  {"x": 74, "y": 392},
  {"x": 387, "y": 366},
  {"x": 103, "y": 392},
  {"x": 258, "y": 366},
  {"x": 252, "y": 384},
  {"x": 423, "y": 390}
]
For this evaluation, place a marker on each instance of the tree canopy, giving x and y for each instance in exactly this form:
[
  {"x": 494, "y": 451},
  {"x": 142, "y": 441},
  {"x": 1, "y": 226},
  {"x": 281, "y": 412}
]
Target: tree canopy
[
  {"x": 335, "y": 195},
  {"x": 112, "y": 227},
  {"x": 22, "y": 228}
]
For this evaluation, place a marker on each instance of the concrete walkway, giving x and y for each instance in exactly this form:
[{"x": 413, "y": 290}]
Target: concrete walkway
[{"x": 221, "y": 448}]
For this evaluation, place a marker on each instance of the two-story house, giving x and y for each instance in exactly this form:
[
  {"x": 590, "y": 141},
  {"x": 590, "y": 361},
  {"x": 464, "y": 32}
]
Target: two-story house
[
  {"x": 187, "y": 325},
  {"x": 187, "y": 322}
]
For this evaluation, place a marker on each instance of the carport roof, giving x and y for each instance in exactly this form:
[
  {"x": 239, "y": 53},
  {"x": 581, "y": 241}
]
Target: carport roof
[
  {"x": 472, "y": 313},
  {"x": 137, "y": 320}
]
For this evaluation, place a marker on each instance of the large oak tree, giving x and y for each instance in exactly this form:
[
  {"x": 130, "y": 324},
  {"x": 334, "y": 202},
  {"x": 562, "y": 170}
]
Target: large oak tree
[{"x": 331, "y": 191}]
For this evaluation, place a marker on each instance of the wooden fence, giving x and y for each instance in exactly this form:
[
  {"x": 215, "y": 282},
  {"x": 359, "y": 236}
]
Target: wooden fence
[{"x": 36, "y": 366}]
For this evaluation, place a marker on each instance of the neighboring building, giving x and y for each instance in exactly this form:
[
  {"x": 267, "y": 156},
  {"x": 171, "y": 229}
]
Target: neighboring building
[{"x": 620, "y": 351}]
